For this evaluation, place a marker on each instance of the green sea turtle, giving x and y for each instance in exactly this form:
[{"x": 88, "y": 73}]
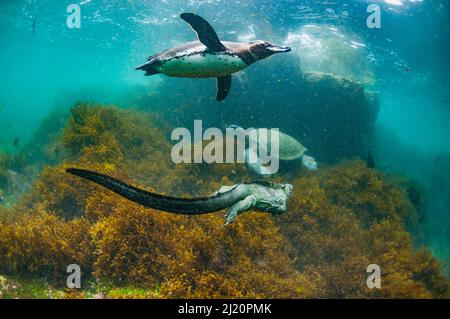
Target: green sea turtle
[
  {"x": 289, "y": 149},
  {"x": 260, "y": 196},
  {"x": 209, "y": 57}
]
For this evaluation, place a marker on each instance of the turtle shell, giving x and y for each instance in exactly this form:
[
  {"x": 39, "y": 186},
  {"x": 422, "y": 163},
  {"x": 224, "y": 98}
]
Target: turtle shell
[{"x": 290, "y": 148}]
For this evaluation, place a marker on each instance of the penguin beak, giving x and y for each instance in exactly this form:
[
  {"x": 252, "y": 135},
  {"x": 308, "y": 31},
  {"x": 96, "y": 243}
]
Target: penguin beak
[{"x": 278, "y": 49}]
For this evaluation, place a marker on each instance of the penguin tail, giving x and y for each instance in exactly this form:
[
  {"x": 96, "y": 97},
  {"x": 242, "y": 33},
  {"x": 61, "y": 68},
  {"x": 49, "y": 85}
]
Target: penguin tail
[{"x": 148, "y": 67}]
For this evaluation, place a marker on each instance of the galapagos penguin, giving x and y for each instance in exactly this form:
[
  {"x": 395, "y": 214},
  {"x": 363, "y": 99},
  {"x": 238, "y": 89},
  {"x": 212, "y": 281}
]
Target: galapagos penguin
[{"x": 209, "y": 57}]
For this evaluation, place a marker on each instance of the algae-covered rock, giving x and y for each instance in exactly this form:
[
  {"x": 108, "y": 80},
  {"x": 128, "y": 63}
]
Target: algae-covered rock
[{"x": 341, "y": 219}]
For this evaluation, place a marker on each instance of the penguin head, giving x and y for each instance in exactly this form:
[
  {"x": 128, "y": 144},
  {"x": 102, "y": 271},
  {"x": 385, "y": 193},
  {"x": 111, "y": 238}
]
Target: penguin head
[{"x": 262, "y": 49}]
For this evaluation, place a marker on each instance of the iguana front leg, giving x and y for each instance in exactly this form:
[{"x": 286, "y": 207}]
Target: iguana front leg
[{"x": 238, "y": 208}]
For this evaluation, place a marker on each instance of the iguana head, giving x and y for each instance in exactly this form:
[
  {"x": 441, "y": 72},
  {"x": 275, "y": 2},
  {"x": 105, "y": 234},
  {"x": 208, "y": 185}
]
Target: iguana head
[
  {"x": 287, "y": 188},
  {"x": 279, "y": 203}
]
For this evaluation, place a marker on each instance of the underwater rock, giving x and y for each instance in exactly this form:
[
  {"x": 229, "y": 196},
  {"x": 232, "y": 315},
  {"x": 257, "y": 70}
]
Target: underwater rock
[{"x": 337, "y": 115}]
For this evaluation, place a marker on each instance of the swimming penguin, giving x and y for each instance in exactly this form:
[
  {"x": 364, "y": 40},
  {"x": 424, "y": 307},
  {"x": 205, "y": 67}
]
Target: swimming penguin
[{"x": 209, "y": 57}]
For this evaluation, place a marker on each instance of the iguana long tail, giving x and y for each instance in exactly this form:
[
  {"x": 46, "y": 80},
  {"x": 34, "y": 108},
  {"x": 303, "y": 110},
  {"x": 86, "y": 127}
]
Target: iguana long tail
[{"x": 184, "y": 206}]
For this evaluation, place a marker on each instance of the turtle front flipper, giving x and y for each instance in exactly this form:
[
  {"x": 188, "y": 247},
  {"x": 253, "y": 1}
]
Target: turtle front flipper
[{"x": 254, "y": 163}]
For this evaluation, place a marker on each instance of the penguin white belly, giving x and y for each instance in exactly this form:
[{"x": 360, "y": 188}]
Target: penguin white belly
[{"x": 202, "y": 66}]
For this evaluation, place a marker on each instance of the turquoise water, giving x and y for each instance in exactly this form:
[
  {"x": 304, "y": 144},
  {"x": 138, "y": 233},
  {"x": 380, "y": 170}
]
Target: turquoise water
[{"x": 44, "y": 66}]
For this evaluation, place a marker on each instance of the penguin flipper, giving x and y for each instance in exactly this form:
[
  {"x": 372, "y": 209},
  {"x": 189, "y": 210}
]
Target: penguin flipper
[
  {"x": 205, "y": 32},
  {"x": 223, "y": 87}
]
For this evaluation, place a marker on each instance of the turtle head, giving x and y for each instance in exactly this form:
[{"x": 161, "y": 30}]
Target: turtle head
[{"x": 261, "y": 50}]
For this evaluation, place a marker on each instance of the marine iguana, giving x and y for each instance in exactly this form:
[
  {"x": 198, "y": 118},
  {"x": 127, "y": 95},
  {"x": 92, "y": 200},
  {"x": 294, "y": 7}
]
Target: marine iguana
[{"x": 239, "y": 198}]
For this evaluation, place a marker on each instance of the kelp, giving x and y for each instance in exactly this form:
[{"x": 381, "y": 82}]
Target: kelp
[
  {"x": 341, "y": 219},
  {"x": 44, "y": 245},
  {"x": 194, "y": 257},
  {"x": 346, "y": 217}
]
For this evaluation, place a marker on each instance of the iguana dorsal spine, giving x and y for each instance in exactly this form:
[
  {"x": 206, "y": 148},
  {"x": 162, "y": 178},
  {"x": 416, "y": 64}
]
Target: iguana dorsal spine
[{"x": 183, "y": 206}]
